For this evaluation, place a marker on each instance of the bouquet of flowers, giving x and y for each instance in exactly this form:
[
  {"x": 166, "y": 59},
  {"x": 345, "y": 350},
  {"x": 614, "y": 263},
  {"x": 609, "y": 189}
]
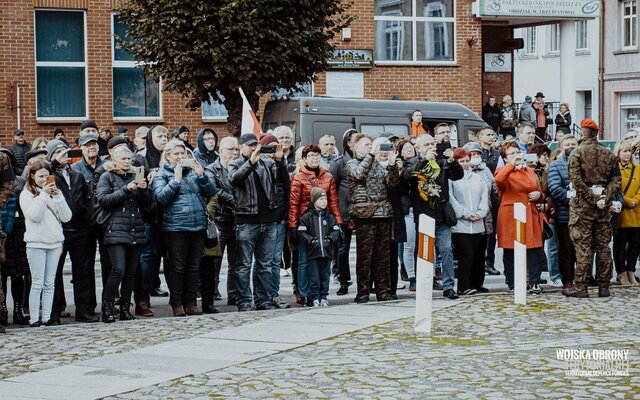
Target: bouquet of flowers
[{"x": 428, "y": 186}]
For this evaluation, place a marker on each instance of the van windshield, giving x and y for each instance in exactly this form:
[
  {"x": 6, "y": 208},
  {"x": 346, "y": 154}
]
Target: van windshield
[{"x": 378, "y": 129}]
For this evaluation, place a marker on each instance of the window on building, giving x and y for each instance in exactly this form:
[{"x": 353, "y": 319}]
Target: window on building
[
  {"x": 629, "y": 112},
  {"x": 629, "y": 24},
  {"x": 415, "y": 30},
  {"x": 582, "y": 36},
  {"x": 553, "y": 35},
  {"x": 61, "y": 68},
  {"x": 530, "y": 41},
  {"x": 214, "y": 111},
  {"x": 307, "y": 91},
  {"x": 135, "y": 95}
]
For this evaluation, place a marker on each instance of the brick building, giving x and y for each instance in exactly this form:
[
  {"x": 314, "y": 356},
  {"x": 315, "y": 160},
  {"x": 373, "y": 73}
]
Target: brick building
[{"x": 60, "y": 65}]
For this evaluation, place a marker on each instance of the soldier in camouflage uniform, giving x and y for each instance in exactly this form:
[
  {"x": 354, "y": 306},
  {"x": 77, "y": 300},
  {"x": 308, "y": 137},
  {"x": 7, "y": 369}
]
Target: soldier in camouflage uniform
[{"x": 595, "y": 177}]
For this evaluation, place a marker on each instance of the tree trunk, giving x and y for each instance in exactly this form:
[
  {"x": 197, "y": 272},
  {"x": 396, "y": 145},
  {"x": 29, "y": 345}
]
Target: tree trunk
[{"x": 233, "y": 103}]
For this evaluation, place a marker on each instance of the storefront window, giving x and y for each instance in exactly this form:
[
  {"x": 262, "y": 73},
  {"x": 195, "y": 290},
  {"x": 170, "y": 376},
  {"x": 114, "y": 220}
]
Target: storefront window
[{"x": 629, "y": 111}]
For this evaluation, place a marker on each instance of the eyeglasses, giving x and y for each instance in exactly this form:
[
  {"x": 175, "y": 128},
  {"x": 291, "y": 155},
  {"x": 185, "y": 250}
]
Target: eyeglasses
[
  {"x": 231, "y": 148},
  {"x": 313, "y": 155},
  {"x": 210, "y": 139},
  {"x": 513, "y": 153}
]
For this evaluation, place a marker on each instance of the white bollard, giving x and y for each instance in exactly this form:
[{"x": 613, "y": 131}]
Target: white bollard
[
  {"x": 424, "y": 273},
  {"x": 520, "y": 254}
]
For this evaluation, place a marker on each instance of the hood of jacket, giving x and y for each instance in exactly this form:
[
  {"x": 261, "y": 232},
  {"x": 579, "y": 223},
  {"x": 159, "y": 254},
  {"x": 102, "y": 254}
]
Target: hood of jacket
[
  {"x": 208, "y": 156},
  {"x": 526, "y": 106},
  {"x": 152, "y": 155},
  {"x": 110, "y": 166}
]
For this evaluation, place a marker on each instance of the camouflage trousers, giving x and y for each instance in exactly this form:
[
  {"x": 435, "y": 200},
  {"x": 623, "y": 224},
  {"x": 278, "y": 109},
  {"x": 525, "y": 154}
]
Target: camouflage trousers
[
  {"x": 372, "y": 252},
  {"x": 590, "y": 237}
]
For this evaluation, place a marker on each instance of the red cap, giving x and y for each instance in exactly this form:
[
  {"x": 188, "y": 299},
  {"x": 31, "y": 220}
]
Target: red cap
[
  {"x": 589, "y": 123},
  {"x": 268, "y": 139}
]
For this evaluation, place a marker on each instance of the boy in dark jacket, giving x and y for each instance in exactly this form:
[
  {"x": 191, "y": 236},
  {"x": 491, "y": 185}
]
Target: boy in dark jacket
[{"x": 319, "y": 231}]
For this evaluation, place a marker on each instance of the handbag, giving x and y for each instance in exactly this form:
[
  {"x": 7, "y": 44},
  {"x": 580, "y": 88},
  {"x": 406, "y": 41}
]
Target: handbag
[
  {"x": 98, "y": 216},
  {"x": 450, "y": 218},
  {"x": 624, "y": 192},
  {"x": 547, "y": 232}
]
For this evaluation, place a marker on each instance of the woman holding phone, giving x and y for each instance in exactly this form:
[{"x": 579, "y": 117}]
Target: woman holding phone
[
  {"x": 125, "y": 199},
  {"x": 45, "y": 210},
  {"x": 181, "y": 188}
]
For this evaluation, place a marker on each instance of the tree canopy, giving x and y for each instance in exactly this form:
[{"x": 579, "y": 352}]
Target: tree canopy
[{"x": 204, "y": 48}]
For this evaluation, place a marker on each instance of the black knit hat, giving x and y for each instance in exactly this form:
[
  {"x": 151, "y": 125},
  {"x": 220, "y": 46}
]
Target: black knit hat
[
  {"x": 88, "y": 123},
  {"x": 116, "y": 140}
]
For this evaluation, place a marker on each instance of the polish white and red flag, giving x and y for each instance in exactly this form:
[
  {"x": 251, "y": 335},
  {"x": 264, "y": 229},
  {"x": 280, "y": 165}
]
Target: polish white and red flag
[{"x": 250, "y": 123}]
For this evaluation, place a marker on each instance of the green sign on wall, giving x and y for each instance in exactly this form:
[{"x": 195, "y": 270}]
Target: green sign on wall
[{"x": 540, "y": 8}]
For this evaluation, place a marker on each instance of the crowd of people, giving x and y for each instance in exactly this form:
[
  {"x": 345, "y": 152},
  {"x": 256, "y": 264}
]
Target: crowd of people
[{"x": 269, "y": 207}]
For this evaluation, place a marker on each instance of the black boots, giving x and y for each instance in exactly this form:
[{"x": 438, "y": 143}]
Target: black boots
[
  {"x": 579, "y": 292},
  {"x": 18, "y": 315},
  {"x": 107, "y": 311},
  {"x": 125, "y": 313}
]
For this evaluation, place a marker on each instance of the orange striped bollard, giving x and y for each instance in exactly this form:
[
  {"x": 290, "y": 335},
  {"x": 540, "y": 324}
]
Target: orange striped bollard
[
  {"x": 424, "y": 273},
  {"x": 520, "y": 254}
]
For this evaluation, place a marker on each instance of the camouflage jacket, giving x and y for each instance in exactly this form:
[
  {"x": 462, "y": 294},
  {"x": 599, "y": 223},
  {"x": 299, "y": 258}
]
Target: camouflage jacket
[
  {"x": 592, "y": 164},
  {"x": 7, "y": 180},
  {"x": 368, "y": 183}
]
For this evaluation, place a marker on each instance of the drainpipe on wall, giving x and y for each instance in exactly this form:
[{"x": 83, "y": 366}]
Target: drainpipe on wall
[
  {"x": 601, "y": 72},
  {"x": 18, "y": 104}
]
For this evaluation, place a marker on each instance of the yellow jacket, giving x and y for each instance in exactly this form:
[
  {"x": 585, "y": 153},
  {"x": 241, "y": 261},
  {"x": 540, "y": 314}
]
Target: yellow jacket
[{"x": 630, "y": 217}]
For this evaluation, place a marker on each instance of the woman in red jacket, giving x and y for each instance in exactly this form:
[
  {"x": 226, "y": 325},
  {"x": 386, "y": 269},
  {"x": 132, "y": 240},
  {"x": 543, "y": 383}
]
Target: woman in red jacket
[
  {"x": 310, "y": 175},
  {"x": 518, "y": 183}
]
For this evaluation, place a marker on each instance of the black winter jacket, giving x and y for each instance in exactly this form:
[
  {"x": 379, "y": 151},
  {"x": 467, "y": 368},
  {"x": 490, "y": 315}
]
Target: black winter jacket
[
  {"x": 78, "y": 197},
  {"x": 563, "y": 123},
  {"x": 319, "y": 232},
  {"x": 126, "y": 225},
  {"x": 492, "y": 115},
  {"x": 245, "y": 178},
  {"x": 338, "y": 170},
  {"x": 225, "y": 207}
]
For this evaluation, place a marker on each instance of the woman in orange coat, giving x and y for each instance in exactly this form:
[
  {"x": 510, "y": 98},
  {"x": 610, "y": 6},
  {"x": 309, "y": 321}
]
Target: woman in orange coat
[{"x": 518, "y": 183}]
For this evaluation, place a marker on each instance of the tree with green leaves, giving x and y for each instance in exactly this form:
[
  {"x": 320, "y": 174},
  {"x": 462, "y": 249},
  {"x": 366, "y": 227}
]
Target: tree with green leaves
[{"x": 208, "y": 48}]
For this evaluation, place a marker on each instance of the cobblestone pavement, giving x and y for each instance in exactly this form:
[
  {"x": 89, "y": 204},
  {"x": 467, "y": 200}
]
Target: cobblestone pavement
[
  {"x": 36, "y": 349},
  {"x": 481, "y": 347}
]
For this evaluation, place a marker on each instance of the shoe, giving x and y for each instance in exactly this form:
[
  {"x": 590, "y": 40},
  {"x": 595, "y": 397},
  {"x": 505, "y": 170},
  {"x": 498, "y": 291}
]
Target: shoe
[
  {"x": 394, "y": 296},
  {"x": 309, "y": 302},
  {"x": 209, "y": 309},
  {"x": 218, "y": 297},
  {"x": 284, "y": 272},
  {"x": 36, "y": 324},
  {"x": 278, "y": 302},
  {"x": 556, "y": 283},
  {"x": 344, "y": 289},
  {"x": 143, "y": 310},
  {"x": 52, "y": 322},
  {"x": 404, "y": 277},
  {"x": 2, "y": 329},
  {"x": 244, "y": 307},
  {"x": 179, "y": 312},
  {"x": 632, "y": 278},
  {"x": 482, "y": 289},
  {"x": 542, "y": 281},
  {"x": 86, "y": 318},
  {"x": 361, "y": 300},
  {"x": 324, "y": 303},
  {"x": 450, "y": 294},
  {"x": 604, "y": 292},
  {"x": 509, "y": 291},
  {"x": 574, "y": 291},
  {"x": 316, "y": 303},
  {"x": 388, "y": 297},
  {"x": 18, "y": 316},
  {"x": 299, "y": 299},
  {"x": 157, "y": 292},
  {"x": 231, "y": 301},
  {"x": 4, "y": 313},
  {"x": 489, "y": 270},
  {"x": 193, "y": 310},
  {"x": 65, "y": 314},
  {"x": 107, "y": 312},
  {"x": 535, "y": 289},
  {"x": 623, "y": 278},
  {"x": 467, "y": 292},
  {"x": 265, "y": 307},
  {"x": 565, "y": 288},
  {"x": 437, "y": 285},
  {"x": 412, "y": 284},
  {"x": 593, "y": 281},
  {"x": 125, "y": 313}
]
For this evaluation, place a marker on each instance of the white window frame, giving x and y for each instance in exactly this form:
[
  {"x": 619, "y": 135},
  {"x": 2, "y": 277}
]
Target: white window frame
[
  {"x": 130, "y": 64},
  {"x": 414, "y": 19},
  {"x": 633, "y": 24},
  {"x": 528, "y": 33},
  {"x": 553, "y": 39},
  {"x": 62, "y": 64},
  {"x": 582, "y": 34},
  {"x": 624, "y": 106},
  {"x": 211, "y": 119}
]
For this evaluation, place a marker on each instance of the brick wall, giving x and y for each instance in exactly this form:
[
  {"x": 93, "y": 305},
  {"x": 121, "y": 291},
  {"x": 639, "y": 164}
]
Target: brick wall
[{"x": 461, "y": 83}]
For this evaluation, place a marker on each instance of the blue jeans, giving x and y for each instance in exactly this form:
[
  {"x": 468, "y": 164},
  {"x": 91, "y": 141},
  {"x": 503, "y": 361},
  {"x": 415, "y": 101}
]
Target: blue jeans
[
  {"x": 319, "y": 278},
  {"x": 552, "y": 255},
  {"x": 254, "y": 240},
  {"x": 443, "y": 243},
  {"x": 276, "y": 263},
  {"x": 152, "y": 255},
  {"x": 303, "y": 270}
]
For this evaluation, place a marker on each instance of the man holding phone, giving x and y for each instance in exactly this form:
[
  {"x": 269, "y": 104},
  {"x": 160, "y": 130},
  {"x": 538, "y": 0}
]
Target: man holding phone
[{"x": 77, "y": 236}]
